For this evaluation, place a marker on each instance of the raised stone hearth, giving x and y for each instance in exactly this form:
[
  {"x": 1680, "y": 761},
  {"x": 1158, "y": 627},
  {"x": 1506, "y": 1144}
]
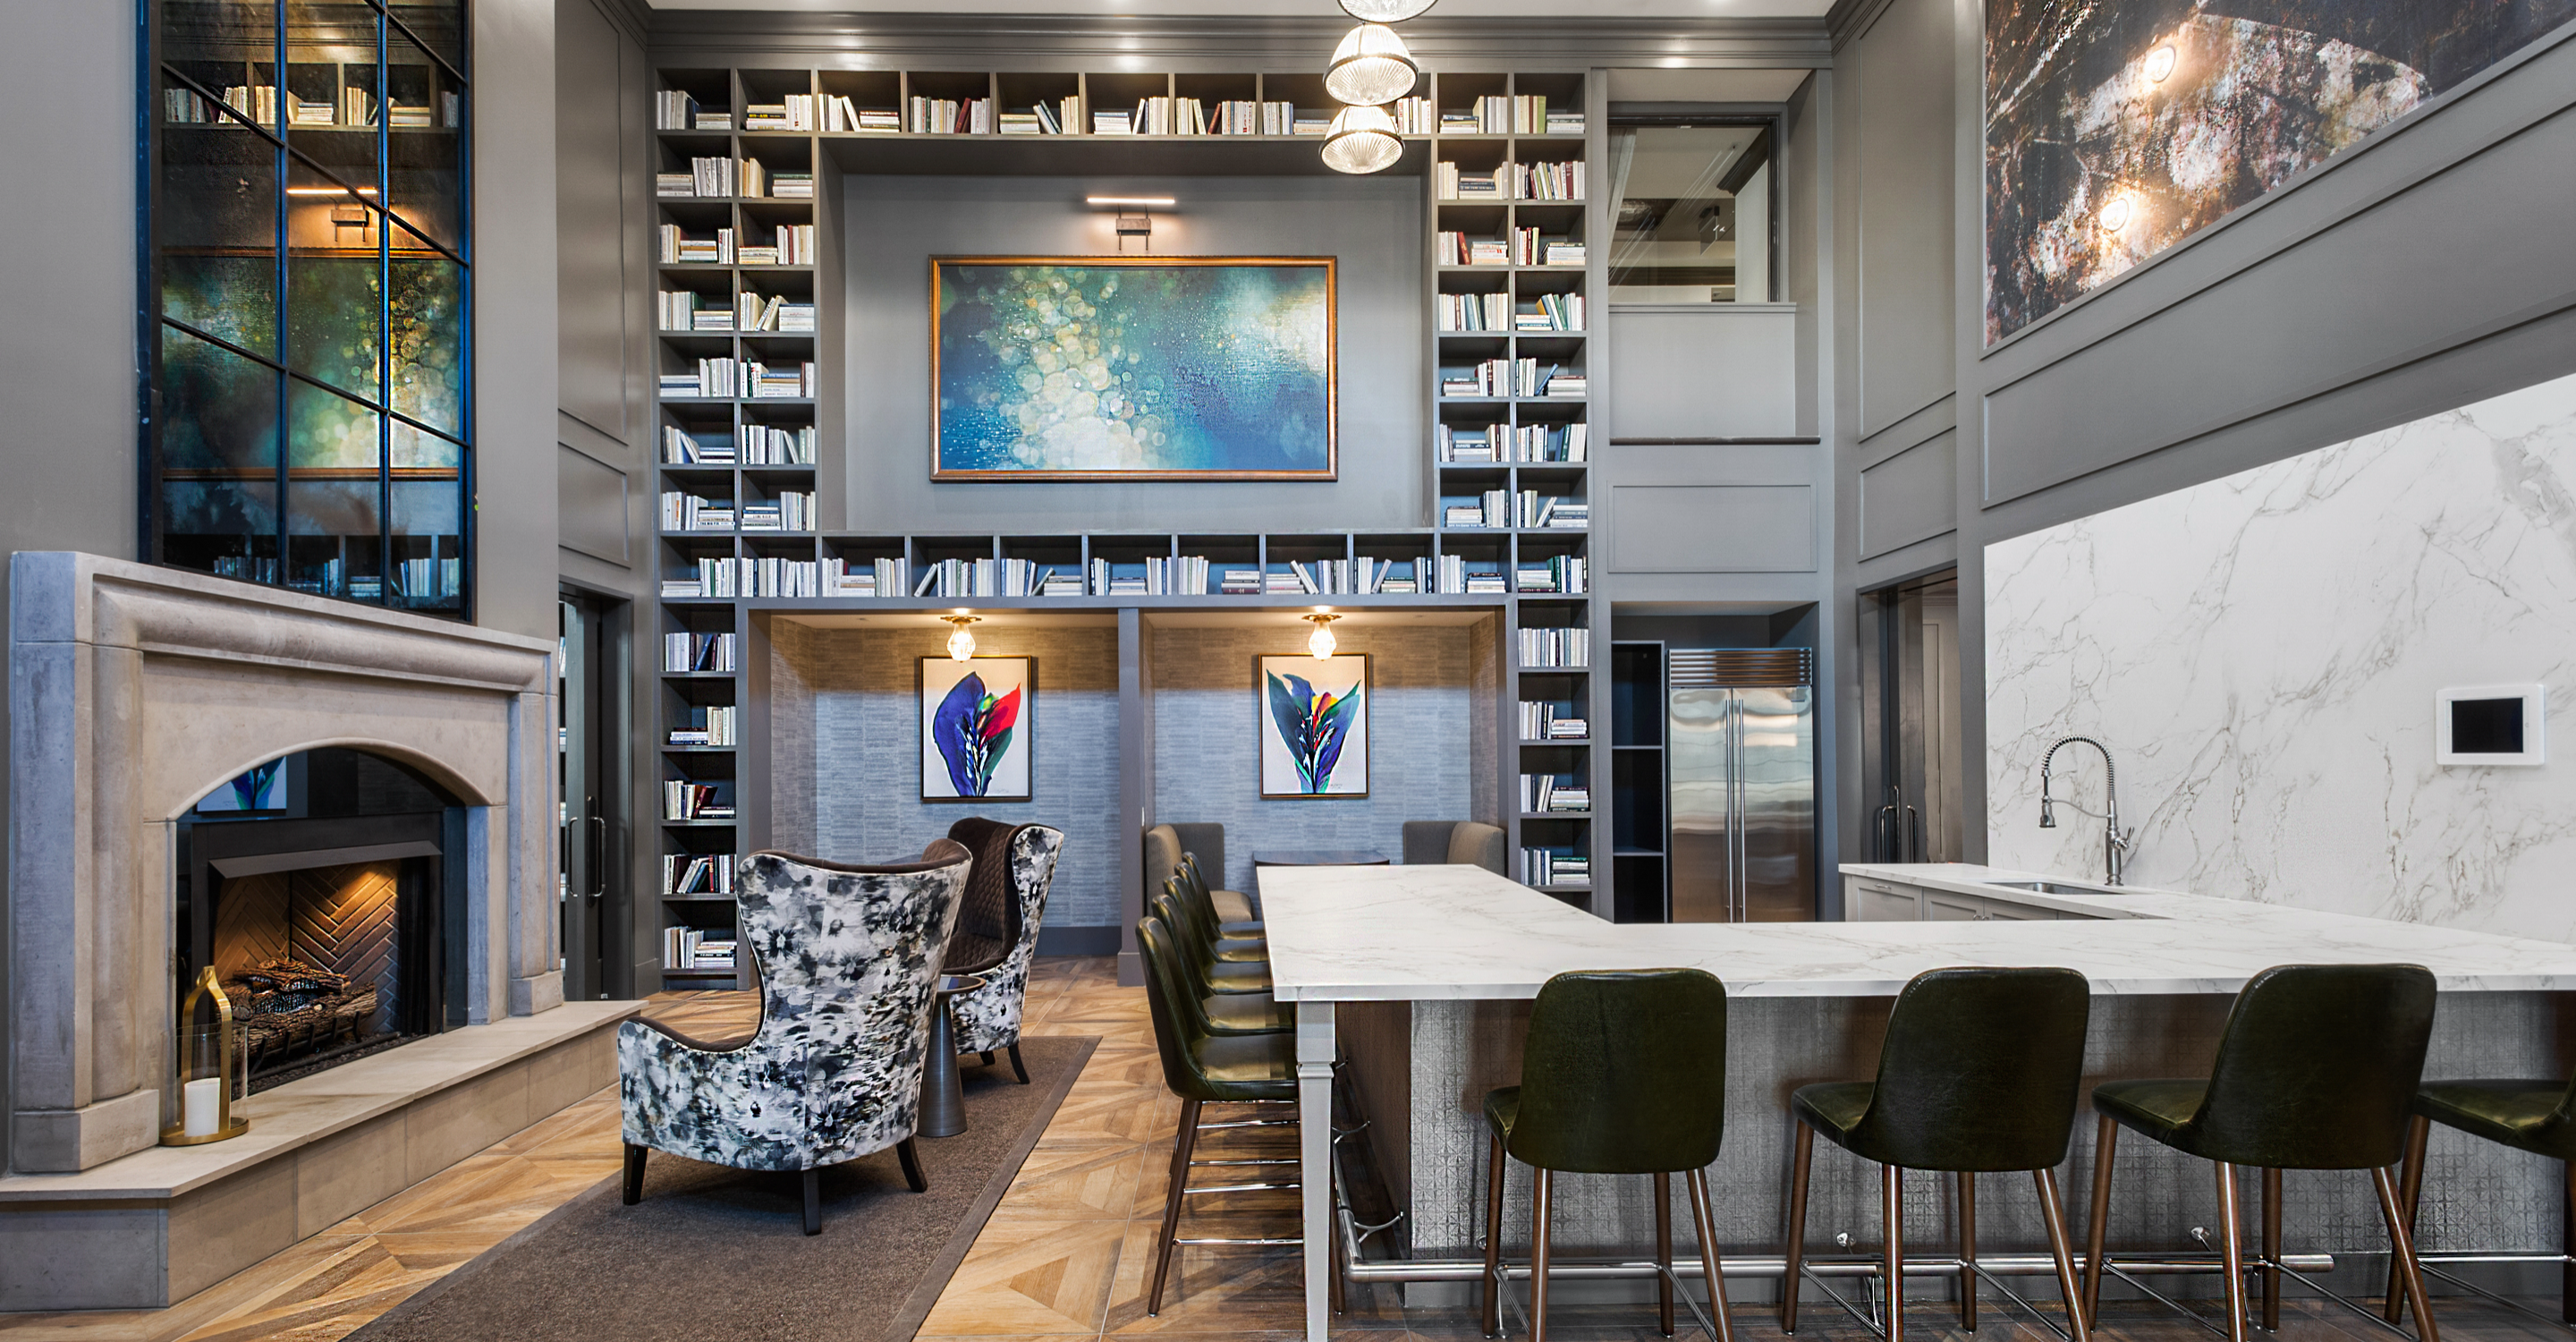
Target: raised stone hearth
[{"x": 135, "y": 691}]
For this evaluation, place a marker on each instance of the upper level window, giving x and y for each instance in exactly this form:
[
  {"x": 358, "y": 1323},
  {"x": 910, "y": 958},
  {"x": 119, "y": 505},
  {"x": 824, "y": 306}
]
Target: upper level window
[
  {"x": 1695, "y": 212},
  {"x": 310, "y": 406}
]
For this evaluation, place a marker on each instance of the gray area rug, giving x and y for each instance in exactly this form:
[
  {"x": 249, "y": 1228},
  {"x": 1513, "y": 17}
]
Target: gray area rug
[{"x": 718, "y": 1253}]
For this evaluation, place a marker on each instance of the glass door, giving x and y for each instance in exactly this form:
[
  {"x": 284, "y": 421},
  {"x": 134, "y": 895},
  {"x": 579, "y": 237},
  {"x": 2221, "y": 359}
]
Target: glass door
[{"x": 589, "y": 895}]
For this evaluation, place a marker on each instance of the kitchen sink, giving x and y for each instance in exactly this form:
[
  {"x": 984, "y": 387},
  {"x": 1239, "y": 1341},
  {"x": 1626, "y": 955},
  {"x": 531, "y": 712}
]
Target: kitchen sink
[{"x": 2053, "y": 888}]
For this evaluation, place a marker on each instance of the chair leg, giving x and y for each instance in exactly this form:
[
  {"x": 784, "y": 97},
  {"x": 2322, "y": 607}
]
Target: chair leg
[
  {"x": 634, "y": 1174},
  {"x": 1172, "y": 1202},
  {"x": 2106, "y": 1140},
  {"x": 1792, "y": 1274},
  {"x": 2271, "y": 1251},
  {"x": 1491, "y": 1295},
  {"x": 2410, "y": 1193},
  {"x": 986, "y": 1057},
  {"x": 1539, "y": 1198},
  {"x": 813, "y": 1202},
  {"x": 2566, "y": 1247},
  {"x": 1704, "y": 1221},
  {"x": 1664, "y": 1253},
  {"x": 2401, "y": 1245},
  {"x": 2231, "y": 1251},
  {"x": 910, "y": 1155},
  {"x": 1891, "y": 1197},
  {"x": 1967, "y": 1251},
  {"x": 1019, "y": 1066},
  {"x": 2052, "y": 1215}
]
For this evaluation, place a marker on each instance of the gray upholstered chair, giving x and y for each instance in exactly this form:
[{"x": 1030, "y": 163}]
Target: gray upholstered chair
[
  {"x": 1164, "y": 845},
  {"x": 847, "y": 956},
  {"x": 1455, "y": 842},
  {"x": 997, "y": 931}
]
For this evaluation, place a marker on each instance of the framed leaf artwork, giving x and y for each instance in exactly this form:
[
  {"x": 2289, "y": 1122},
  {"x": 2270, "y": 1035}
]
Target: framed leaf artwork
[
  {"x": 1314, "y": 725},
  {"x": 975, "y": 740}
]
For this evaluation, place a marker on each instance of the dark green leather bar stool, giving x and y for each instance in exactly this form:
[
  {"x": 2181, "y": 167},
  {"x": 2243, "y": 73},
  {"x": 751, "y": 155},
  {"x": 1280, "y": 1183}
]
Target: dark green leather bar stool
[
  {"x": 1204, "y": 1069},
  {"x": 2534, "y": 1116},
  {"x": 1979, "y": 1074},
  {"x": 1200, "y": 915},
  {"x": 1225, "y": 976},
  {"x": 1622, "y": 1072},
  {"x": 1195, "y": 882},
  {"x": 1223, "y": 1013},
  {"x": 2316, "y": 1069}
]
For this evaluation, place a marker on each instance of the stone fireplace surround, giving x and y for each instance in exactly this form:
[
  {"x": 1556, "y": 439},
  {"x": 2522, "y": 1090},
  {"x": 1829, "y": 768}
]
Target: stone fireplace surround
[{"x": 134, "y": 691}]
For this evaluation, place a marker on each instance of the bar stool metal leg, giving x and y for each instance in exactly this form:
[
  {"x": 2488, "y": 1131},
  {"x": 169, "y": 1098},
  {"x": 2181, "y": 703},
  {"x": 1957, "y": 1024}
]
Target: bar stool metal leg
[
  {"x": 2401, "y": 1247},
  {"x": 2231, "y": 1253},
  {"x": 2106, "y": 1141},
  {"x": 1491, "y": 1296},
  {"x": 1539, "y": 1198},
  {"x": 1664, "y": 1252},
  {"x": 2410, "y": 1193},
  {"x": 2052, "y": 1214},
  {"x": 1704, "y": 1222},
  {"x": 1793, "y": 1270},
  {"x": 1892, "y": 1197},
  {"x": 1968, "y": 1251},
  {"x": 2271, "y": 1251},
  {"x": 1172, "y": 1202}
]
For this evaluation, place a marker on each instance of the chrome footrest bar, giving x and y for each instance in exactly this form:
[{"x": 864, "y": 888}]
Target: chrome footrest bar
[
  {"x": 1234, "y": 1188},
  {"x": 2312, "y": 1284},
  {"x": 2426, "y": 1262},
  {"x": 1758, "y": 1267},
  {"x": 2111, "y": 1266},
  {"x": 1976, "y": 1272},
  {"x": 1290, "y": 1240}
]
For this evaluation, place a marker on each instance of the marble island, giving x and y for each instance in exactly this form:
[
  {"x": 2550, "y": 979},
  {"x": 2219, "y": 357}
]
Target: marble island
[{"x": 1418, "y": 980}]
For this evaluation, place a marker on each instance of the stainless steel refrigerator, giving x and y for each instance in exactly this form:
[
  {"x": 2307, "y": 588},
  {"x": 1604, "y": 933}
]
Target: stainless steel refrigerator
[{"x": 1741, "y": 781}]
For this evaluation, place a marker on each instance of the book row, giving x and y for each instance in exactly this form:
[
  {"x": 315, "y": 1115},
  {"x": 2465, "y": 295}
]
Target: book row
[
  {"x": 1534, "y": 443},
  {"x": 682, "y": 652},
  {"x": 1569, "y": 648},
  {"x": 353, "y": 109},
  {"x": 1501, "y": 508},
  {"x": 1514, "y": 377},
  {"x": 712, "y": 725},
  {"x": 728, "y": 578},
  {"x": 684, "y": 800},
  {"x": 1457, "y": 313},
  {"x": 725, "y": 378},
  {"x": 752, "y": 445},
  {"x": 1542, "y": 793},
  {"x": 791, "y": 245},
  {"x": 1510, "y": 181},
  {"x": 1511, "y": 114},
  {"x": 719, "y": 178},
  {"x": 1569, "y": 575},
  {"x": 1541, "y": 722},
  {"x": 683, "y": 310},
  {"x": 697, "y": 874},
  {"x": 1547, "y": 866},
  {"x": 1525, "y": 247},
  {"x": 693, "y": 948},
  {"x": 792, "y": 510}
]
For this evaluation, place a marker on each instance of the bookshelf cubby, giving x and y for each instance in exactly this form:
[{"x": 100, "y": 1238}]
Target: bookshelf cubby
[{"x": 1522, "y": 447}]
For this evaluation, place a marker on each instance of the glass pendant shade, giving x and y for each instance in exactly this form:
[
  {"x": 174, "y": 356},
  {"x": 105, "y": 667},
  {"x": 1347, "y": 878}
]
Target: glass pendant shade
[
  {"x": 1361, "y": 140},
  {"x": 1321, "y": 643},
  {"x": 1385, "y": 11},
  {"x": 1371, "y": 67}
]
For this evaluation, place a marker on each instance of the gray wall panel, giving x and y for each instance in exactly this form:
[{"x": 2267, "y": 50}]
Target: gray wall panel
[
  {"x": 1910, "y": 497},
  {"x": 1713, "y": 370},
  {"x": 514, "y": 316},
  {"x": 1373, "y": 225},
  {"x": 591, "y": 499},
  {"x": 1714, "y": 529},
  {"x": 590, "y": 146},
  {"x": 1901, "y": 212}
]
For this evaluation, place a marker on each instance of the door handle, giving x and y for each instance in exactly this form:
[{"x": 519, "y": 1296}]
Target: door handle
[{"x": 598, "y": 855}]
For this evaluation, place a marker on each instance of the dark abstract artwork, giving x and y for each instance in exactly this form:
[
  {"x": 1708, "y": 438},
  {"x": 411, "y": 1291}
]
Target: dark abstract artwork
[
  {"x": 974, "y": 742},
  {"x": 2114, "y": 130},
  {"x": 1138, "y": 369},
  {"x": 1314, "y": 737}
]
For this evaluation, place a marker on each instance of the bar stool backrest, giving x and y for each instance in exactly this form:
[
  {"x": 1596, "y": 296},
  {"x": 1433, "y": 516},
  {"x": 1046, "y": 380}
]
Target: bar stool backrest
[
  {"x": 1177, "y": 1032},
  {"x": 1191, "y": 886},
  {"x": 1199, "y": 935},
  {"x": 1981, "y": 1070},
  {"x": 2317, "y": 1067},
  {"x": 1623, "y": 1072}
]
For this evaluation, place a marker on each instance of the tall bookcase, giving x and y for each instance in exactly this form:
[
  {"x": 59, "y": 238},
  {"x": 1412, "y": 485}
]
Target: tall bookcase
[{"x": 1508, "y": 556}]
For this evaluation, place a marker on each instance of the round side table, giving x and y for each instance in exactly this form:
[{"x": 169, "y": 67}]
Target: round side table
[{"x": 943, "y": 1095}]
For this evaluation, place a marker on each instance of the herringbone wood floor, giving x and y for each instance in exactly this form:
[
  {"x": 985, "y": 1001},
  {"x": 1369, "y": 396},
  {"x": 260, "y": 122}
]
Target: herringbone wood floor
[{"x": 1066, "y": 1256}]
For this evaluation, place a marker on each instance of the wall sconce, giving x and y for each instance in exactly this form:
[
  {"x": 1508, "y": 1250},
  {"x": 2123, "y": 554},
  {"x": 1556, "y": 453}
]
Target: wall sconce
[
  {"x": 207, "y": 1076},
  {"x": 1320, "y": 644},
  {"x": 961, "y": 644},
  {"x": 1135, "y": 217}
]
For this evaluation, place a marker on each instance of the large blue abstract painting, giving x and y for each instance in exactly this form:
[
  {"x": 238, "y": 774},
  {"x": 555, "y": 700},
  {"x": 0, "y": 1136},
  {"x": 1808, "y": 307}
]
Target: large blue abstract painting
[{"x": 1137, "y": 368}]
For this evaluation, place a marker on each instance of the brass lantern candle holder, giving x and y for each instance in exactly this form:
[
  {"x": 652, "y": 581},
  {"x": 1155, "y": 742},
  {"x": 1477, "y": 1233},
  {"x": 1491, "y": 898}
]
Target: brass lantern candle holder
[{"x": 206, "y": 1076}]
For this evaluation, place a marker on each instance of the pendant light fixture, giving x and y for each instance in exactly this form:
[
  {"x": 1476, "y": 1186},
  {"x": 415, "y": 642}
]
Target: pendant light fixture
[
  {"x": 1361, "y": 140},
  {"x": 1321, "y": 643},
  {"x": 961, "y": 645},
  {"x": 1371, "y": 67},
  {"x": 1385, "y": 11}
]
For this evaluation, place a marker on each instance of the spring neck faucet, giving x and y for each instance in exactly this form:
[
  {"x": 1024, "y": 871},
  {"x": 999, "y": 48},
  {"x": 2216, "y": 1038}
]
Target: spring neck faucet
[{"x": 2115, "y": 841}]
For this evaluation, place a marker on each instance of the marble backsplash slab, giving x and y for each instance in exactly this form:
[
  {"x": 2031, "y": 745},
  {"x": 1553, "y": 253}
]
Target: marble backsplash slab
[{"x": 2261, "y": 652}]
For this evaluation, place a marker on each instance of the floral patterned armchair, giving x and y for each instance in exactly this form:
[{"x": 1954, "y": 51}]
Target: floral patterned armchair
[
  {"x": 847, "y": 956},
  {"x": 997, "y": 933}
]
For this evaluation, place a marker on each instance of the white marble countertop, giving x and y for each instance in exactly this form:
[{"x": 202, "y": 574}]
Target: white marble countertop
[{"x": 1353, "y": 934}]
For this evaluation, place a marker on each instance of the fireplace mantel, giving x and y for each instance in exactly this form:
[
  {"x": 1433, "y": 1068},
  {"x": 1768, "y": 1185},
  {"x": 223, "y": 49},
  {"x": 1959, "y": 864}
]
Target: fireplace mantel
[{"x": 136, "y": 690}]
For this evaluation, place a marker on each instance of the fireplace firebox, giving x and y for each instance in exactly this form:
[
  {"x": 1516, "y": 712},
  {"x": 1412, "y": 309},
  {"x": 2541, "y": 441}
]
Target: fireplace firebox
[{"x": 325, "y": 911}]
